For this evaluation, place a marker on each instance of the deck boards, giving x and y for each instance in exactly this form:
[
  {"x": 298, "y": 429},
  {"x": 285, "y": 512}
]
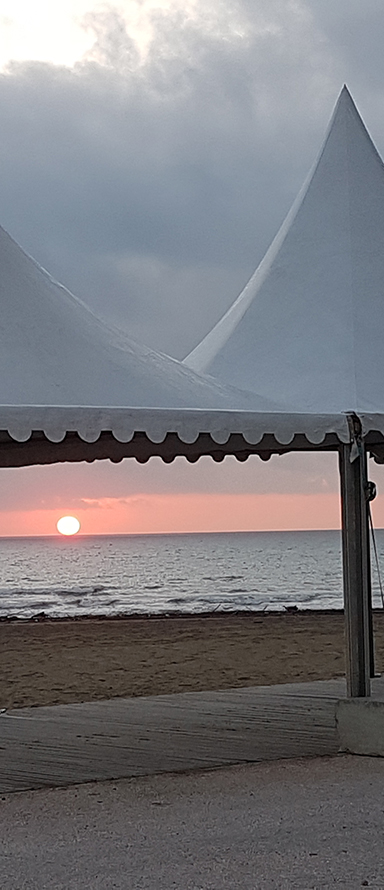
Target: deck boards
[{"x": 74, "y": 743}]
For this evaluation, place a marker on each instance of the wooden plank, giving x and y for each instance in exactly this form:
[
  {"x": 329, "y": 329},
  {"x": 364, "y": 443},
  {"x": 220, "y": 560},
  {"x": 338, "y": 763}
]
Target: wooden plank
[{"x": 75, "y": 743}]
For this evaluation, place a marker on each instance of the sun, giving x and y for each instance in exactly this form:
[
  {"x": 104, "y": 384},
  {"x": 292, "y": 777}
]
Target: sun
[{"x": 68, "y": 525}]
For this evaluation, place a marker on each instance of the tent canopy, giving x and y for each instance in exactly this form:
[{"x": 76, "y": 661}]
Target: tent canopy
[
  {"x": 299, "y": 348},
  {"x": 308, "y": 329}
]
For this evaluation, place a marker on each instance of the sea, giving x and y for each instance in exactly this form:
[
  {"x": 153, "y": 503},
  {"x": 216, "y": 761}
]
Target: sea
[{"x": 163, "y": 574}]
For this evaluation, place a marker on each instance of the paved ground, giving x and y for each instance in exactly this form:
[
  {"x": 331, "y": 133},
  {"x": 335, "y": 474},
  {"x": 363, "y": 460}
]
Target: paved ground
[{"x": 302, "y": 824}]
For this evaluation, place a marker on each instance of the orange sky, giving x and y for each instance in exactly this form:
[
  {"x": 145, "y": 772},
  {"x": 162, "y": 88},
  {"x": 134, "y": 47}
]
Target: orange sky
[
  {"x": 32, "y": 499},
  {"x": 122, "y": 499},
  {"x": 148, "y": 513}
]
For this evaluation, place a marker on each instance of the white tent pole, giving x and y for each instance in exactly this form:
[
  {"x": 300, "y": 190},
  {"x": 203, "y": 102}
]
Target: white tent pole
[{"x": 355, "y": 566}]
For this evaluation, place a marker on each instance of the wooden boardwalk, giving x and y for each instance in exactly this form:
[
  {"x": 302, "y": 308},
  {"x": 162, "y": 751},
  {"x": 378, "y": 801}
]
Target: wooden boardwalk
[{"x": 75, "y": 743}]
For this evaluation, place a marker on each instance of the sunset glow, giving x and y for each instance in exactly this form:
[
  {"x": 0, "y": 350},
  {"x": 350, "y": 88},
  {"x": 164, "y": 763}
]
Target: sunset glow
[
  {"x": 185, "y": 513},
  {"x": 68, "y": 525},
  {"x": 188, "y": 512}
]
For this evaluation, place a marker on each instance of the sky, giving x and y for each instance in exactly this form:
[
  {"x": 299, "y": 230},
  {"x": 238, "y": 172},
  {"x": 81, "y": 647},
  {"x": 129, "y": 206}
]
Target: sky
[{"x": 149, "y": 152}]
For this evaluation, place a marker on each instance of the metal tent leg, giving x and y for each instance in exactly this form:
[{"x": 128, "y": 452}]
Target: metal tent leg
[
  {"x": 355, "y": 570},
  {"x": 369, "y": 578},
  {"x": 372, "y": 670}
]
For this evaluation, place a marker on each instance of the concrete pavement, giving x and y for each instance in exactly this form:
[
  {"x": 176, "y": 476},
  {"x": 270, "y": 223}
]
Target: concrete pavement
[{"x": 306, "y": 824}]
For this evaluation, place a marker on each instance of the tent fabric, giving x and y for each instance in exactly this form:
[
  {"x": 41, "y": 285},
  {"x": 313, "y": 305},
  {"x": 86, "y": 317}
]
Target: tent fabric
[
  {"x": 55, "y": 351},
  {"x": 86, "y": 433},
  {"x": 187, "y": 425},
  {"x": 75, "y": 434},
  {"x": 308, "y": 329}
]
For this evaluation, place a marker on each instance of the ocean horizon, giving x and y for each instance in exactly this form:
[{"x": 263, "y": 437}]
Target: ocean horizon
[{"x": 131, "y": 534}]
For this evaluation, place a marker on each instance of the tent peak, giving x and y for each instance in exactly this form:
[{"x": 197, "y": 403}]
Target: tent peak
[
  {"x": 346, "y": 109},
  {"x": 308, "y": 328},
  {"x": 345, "y": 103}
]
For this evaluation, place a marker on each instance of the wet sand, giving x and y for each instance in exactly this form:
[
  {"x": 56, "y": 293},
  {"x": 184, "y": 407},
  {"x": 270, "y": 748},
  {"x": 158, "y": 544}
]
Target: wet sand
[{"x": 53, "y": 661}]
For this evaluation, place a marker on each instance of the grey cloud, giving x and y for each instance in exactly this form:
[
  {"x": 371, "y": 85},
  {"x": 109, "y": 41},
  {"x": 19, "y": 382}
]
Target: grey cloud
[
  {"x": 112, "y": 44},
  {"x": 152, "y": 192},
  {"x": 355, "y": 32}
]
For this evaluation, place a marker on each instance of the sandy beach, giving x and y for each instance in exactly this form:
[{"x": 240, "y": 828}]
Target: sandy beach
[{"x": 61, "y": 660}]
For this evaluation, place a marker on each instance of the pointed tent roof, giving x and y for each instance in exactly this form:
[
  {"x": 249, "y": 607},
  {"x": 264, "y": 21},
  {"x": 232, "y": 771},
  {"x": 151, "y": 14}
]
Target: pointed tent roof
[
  {"x": 308, "y": 328},
  {"x": 55, "y": 351}
]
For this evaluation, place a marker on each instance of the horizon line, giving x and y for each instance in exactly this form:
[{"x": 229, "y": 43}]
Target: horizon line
[{"x": 59, "y": 536}]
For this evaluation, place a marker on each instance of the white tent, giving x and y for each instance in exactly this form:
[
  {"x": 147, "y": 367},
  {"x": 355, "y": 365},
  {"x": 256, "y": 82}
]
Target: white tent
[
  {"x": 308, "y": 328},
  {"x": 73, "y": 389}
]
